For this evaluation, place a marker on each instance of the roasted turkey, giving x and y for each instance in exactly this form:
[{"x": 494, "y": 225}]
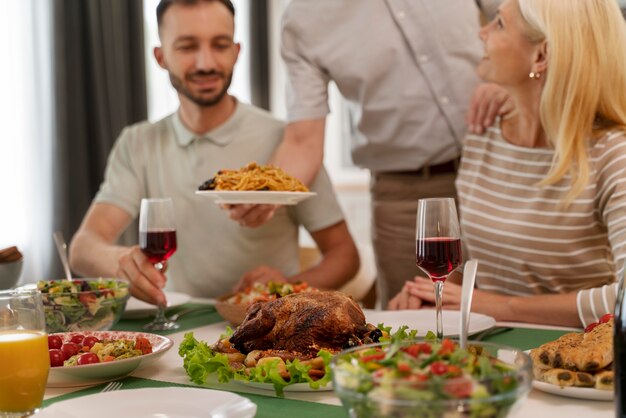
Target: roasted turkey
[{"x": 304, "y": 323}]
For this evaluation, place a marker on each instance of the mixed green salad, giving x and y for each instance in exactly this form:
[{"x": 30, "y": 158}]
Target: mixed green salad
[
  {"x": 81, "y": 305},
  {"x": 201, "y": 360},
  {"x": 425, "y": 378}
]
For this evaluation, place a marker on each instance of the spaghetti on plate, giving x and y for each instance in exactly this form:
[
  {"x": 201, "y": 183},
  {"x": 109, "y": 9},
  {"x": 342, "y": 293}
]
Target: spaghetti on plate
[{"x": 254, "y": 177}]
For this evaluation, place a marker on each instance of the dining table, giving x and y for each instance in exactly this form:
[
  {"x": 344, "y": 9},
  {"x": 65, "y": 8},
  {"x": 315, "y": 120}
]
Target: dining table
[{"x": 207, "y": 326}]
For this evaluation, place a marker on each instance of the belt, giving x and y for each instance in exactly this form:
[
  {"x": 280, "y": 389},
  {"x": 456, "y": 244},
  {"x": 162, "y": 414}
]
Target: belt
[{"x": 426, "y": 171}]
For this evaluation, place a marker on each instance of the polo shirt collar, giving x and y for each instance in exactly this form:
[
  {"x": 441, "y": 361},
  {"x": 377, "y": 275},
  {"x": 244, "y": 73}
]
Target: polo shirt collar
[{"x": 222, "y": 135}]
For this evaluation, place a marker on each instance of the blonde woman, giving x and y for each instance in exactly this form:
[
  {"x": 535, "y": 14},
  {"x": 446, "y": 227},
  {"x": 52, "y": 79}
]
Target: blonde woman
[{"x": 543, "y": 191}]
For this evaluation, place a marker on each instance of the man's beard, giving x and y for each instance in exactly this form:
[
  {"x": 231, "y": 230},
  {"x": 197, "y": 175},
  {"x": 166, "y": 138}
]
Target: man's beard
[{"x": 180, "y": 87}]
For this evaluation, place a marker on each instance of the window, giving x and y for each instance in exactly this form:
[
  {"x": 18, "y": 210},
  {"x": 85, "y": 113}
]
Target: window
[{"x": 26, "y": 145}]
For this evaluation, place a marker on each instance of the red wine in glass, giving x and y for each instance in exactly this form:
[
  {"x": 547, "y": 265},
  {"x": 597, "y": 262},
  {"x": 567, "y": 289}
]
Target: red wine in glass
[
  {"x": 158, "y": 246},
  {"x": 438, "y": 245},
  {"x": 157, "y": 240},
  {"x": 438, "y": 256}
]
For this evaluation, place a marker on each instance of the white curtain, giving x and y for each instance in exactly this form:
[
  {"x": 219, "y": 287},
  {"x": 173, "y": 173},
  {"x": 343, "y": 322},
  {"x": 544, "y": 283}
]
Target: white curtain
[{"x": 26, "y": 134}]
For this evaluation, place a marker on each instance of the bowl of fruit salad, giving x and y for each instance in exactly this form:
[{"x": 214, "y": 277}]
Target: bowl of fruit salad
[
  {"x": 431, "y": 378},
  {"x": 83, "y": 304}
]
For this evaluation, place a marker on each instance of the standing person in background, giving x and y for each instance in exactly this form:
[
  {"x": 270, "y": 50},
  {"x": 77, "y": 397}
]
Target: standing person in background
[
  {"x": 210, "y": 131},
  {"x": 543, "y": 191},
  {"x": 407, "y": 72}
]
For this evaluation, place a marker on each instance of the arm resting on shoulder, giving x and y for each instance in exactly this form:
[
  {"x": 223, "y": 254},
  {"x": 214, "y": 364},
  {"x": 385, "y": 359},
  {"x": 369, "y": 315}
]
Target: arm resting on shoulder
[
  {"x": 302, "y": 150},
  {"x": 340, "y": 259}
]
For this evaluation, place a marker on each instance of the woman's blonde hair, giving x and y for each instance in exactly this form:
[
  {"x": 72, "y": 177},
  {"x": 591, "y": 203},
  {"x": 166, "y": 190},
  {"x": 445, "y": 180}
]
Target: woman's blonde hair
[{"x": 585, "y": 88}]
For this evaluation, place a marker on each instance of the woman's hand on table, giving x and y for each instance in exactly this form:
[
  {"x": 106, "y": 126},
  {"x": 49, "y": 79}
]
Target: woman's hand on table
[
  {"x": 406, "y": 299},
  {"x": 422, "y": 288},
  {"x": 146, "y": 281},
  {"x": 419, "y": 293},
  {"x": 261, "y": 274}
]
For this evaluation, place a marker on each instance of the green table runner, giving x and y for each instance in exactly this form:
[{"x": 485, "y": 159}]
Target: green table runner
[
  {"x": 524, "y": 338},
  {"x": 271, "y": 406},
  {"x": 189, "y": 321}
]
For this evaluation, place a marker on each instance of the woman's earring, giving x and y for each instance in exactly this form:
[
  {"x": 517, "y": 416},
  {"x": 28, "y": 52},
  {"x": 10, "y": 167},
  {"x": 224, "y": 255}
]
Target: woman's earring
[{"x": 534, "y": 75}]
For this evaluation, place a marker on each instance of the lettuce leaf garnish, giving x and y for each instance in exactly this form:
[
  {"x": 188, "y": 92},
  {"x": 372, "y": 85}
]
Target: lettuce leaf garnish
[{"x": 199, "y": 361}]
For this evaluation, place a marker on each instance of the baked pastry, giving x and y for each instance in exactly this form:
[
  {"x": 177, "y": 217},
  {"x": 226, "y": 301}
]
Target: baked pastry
[
  {"x": 589, "y": 352},
  {"x": 604, "y": 380},
  {"x": 577, "y": 359}
]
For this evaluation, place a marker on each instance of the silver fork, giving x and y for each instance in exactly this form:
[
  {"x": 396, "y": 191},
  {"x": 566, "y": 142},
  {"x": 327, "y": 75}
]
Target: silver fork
[{"x": 111, "y": 386}]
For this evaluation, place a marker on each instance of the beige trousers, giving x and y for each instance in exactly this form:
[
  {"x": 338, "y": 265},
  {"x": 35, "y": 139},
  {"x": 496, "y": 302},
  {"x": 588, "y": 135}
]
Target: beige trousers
[{"x": 394, "y": 211}]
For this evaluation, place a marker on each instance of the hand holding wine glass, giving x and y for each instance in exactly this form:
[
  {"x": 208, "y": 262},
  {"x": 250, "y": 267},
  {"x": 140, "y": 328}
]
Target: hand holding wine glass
[
  {"x": 438, "y": 244},
  {"x": 157, "y": 240}
]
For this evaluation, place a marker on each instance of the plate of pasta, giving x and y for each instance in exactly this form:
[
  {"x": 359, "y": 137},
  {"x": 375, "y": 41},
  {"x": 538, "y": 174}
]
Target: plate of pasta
[
  {"x": 254, "y": 184},
  {"x": 258, "y": 198}
]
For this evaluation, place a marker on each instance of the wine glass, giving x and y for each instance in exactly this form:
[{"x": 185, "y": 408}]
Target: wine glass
[
  {"x": 437, "y": 244},
  {"x": 24, "y": 357},
  {"x": 157, "y": 240}
]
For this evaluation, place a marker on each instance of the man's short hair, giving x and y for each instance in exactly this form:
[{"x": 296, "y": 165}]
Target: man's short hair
[{"x": 164, "y": 4}]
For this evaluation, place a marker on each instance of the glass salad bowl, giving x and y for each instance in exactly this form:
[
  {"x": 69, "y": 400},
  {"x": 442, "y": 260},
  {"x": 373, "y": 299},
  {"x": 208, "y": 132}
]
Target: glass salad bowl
[
  {"x": 83, "y": 304},
  {"x": 431, "y": 378}
]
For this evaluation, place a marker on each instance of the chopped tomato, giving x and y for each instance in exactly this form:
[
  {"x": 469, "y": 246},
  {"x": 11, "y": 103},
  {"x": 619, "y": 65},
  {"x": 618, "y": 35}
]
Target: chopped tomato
[
  {"x": 87, "y": 299},
  {"x": 591, "y": 326},
  {"x": 438, "y": 368},
  {"x": 404, "y": 367},
  {"x": 454, "y": 371},
  {"x": 106, "y": 359},
  {"x": 299, "y": 287},
  {"x": 459, "y": 388},
  {"x": 143, "y": 344},
  {"x": 447, "y": 347},
  {"x": 415, "y": 349},
  {"x": 606, "y": 318},
  {"x": 373, "y": 357}
]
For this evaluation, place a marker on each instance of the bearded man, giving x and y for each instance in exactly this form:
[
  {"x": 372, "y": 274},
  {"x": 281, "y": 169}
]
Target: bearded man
[{"x": 210, "y": 131}]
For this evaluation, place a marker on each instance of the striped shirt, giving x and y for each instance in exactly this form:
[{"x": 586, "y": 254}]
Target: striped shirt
[{"x": 524, "y": 241}]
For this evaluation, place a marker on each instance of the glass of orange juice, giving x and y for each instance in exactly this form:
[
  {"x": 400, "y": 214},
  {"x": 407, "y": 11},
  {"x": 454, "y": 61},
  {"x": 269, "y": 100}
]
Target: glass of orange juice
[{"x": 24, "y": 358}]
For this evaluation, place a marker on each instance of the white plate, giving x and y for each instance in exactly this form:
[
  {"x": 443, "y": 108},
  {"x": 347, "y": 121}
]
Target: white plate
[
  {"x": 92, "y": 374},
  {"x": 256, "y": 197},
  {"x": 424, "y": 320},
  {"x": 296, "y": 387},
  {"x": 573, "y": 392},
  {"x": 136, "y": 308},
  {"x": 171, "y": 402}
]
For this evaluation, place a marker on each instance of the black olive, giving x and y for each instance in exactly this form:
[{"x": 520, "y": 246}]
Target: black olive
[
  {"x": 350, "y": 343},
  {"x": 376, "y": 334},
  {"x": 208, "y": 185}
]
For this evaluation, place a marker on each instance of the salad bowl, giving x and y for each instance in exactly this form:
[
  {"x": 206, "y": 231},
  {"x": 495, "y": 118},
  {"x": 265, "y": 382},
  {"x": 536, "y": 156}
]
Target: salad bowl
[
  {"x": 431, "y": 378},
  {"x": 83, "y": 304}
]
